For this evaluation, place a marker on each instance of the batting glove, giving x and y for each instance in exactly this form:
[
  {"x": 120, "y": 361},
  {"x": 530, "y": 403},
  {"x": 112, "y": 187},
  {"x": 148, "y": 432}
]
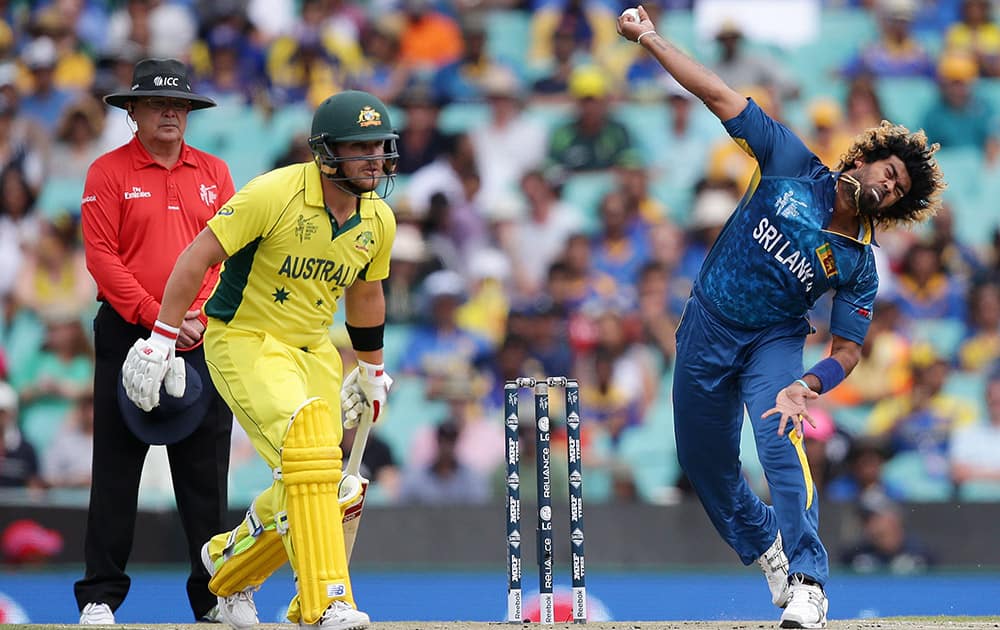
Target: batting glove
[
  {"x": 151, "y": 362},
  {"x": 364, "y": 393},
  {"x": 352, "y": 403}
]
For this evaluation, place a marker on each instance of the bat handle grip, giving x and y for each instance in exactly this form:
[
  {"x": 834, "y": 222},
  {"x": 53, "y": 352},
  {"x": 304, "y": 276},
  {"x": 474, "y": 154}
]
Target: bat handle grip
[{"x": 358, "y": 447}]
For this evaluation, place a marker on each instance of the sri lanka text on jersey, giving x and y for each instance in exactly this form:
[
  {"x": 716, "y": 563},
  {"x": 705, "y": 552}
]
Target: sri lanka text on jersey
[{"x": 777, "y": 244}]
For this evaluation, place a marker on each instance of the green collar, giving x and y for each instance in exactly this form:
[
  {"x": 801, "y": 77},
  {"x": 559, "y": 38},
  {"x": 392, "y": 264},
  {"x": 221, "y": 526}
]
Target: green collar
[{"x": 353, "y": 221}]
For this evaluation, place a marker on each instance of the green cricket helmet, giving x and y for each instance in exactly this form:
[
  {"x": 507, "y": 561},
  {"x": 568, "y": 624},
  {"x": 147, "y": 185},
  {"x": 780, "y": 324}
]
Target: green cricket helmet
[{"x": 352, "y": 116}]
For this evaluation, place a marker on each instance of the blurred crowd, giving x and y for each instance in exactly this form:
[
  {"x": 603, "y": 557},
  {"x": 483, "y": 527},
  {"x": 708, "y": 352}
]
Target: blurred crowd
[{"x": 556, "y": 196}]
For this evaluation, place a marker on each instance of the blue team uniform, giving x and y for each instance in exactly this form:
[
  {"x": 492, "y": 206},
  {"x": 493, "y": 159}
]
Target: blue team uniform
[{"x": 741, "y": 337}]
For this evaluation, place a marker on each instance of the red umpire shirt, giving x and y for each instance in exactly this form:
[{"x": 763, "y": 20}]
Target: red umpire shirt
[{"x": 137, "y": 218}]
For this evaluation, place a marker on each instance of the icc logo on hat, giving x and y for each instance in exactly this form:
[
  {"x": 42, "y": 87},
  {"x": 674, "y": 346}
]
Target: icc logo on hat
[{"x": 159, "y": 77}]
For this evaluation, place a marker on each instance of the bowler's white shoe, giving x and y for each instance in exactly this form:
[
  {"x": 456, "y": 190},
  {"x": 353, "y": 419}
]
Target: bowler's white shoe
[
  {"x": 238, "y": 609},
  {"x": 774, "y": 563},
  {"x": 807, "y": 606},
  {"x": 340, "y": 616},
  {"x": 97, "y": 614}
]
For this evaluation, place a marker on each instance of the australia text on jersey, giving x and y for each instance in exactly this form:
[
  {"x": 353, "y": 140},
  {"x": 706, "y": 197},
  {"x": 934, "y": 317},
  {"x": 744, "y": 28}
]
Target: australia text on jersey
[
  {"x": 798, "y": 262},
  {"x": 321, "y": 269}
]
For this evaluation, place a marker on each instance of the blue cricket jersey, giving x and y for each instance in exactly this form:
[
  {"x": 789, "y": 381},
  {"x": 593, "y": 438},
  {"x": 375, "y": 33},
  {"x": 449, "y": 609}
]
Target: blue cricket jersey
[{"x": 775, "y": 257}]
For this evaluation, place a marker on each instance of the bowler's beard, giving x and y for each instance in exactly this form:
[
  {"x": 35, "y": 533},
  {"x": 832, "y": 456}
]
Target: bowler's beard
[{"x": 865, "y": 204}]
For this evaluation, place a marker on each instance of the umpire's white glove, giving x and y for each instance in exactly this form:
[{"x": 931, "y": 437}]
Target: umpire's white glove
[
  {"x": 364, "y": 392},
  {"x": 150, "y": 362}
]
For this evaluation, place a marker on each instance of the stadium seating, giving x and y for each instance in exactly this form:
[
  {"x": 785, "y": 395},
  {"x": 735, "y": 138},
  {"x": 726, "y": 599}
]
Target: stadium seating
[
  {"x": 970, "y": 387},
  {"x": 23, "y": 341},
  {"x": 905, "y": 100},
  {"x": 287, "y": 123},
  {"x": 461, "y": 117},
  {"x": 250, "y": 139},
  {"x": 646, "y": 124},
  {"x": 408, "y": 411},
  {"x": 979, "y": 491},
  {"x": 990, "y": 90},
  {"x": 679, "y": 28},
  {"x": 59, "y": 197},
  {"x": 508, "y": 37},
  {"x": 943, "y": 335},
  {"x": 650, "y": 452},
  {"x": 549, "y": 115},
  {"x": 396, "y": 336},
  {"x": 908, "y": 471},
  {"x": 597, "y": 475},
  {"x": 246, "y": 480},
  {"x": 968, "y": 184},
  {"x": 753, "y": 470},
  {"x": 842, "y": 33},
  {"x": 584, "y": 191},
  {"x": 41, "y": 422},
  {"x": 852, "y": 419}
]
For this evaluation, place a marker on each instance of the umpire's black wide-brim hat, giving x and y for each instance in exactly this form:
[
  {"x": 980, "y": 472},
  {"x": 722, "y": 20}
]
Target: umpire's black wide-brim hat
[
  {"x": 160, "y": 77},
  {"x": 174, "y": 418}
]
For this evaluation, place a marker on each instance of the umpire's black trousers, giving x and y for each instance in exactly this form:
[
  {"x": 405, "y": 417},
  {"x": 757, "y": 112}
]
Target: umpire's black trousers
[{"x": 199, "y": 468}]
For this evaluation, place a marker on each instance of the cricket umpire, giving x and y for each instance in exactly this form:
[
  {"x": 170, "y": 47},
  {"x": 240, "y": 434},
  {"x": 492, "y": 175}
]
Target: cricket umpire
[{"x": 143, "y": 203}]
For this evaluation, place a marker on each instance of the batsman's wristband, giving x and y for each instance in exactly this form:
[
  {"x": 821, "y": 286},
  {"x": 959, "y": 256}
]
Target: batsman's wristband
[
  {"x": 366, "y": 338},
  {"x": 372, "y": 370},
  {"x": 638, "y": 39},
  {"x": 830, "y": 373},
  {"x": 803, "y": 383},
  {"x": 164, "y": 334}
]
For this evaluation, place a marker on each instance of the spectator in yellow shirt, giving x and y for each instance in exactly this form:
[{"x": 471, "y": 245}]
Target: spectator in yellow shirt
[
  {"x": 976, "y": 33},
  {"x": 924, "y": 418}
]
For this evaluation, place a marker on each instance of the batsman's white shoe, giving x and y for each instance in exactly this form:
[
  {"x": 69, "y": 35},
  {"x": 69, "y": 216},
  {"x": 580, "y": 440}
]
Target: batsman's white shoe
[
  {"x": 97, "y": 614},
  {"x": 774, "y": 563},
  {"x": 807, "y": 606},
  {"x": 340, "y": 616},
  {"x": 212, "y": 616},
  {"x": 238, "y": 609}
]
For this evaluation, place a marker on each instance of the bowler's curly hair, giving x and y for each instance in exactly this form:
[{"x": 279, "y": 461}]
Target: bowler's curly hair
[{"x": 924, "y": 198}]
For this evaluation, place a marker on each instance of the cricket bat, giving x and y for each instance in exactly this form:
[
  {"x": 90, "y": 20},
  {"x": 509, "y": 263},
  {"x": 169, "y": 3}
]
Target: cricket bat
[{"x": 353, "y": 487}]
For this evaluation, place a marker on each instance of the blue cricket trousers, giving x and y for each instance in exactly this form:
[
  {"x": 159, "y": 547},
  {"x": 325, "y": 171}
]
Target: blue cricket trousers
[{"x": 721, "y": 368}]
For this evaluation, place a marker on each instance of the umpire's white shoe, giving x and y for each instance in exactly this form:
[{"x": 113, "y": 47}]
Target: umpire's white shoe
[
  {"x": 238, "y": 609},
  {"x": 807, "y": 606},
  {"x": 97, "y": 614},
  {"x": 774, "y": 563},
  {"x": 340, "y": 616}
]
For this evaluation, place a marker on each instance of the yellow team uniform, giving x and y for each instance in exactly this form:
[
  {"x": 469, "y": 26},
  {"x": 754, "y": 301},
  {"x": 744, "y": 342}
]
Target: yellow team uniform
[{"x": 269, "y": 352}]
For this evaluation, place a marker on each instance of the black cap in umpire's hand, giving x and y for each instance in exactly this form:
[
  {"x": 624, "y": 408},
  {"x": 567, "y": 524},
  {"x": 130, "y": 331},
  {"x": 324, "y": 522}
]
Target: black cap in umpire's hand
[
  {"x": 174, "y": 418},
  {"x": 159, "y": 77}
]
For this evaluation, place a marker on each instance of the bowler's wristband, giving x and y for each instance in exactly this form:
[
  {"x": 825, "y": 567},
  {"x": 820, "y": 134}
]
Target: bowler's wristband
[
  {"x": 366, "y": 338},
  {"x": 638, "y": 39},
  {"x": 830, "y": 373}
]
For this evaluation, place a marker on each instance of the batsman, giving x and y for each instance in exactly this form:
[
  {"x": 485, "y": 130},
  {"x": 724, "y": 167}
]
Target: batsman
[{"x": 293, "y": 241}]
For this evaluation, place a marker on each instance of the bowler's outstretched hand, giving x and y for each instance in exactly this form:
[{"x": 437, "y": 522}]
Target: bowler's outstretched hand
[{"x": 791, "y": 404}]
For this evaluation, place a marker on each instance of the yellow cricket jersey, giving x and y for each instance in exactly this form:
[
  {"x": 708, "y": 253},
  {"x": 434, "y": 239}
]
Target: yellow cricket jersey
[{"x": 288, "y": 261}]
